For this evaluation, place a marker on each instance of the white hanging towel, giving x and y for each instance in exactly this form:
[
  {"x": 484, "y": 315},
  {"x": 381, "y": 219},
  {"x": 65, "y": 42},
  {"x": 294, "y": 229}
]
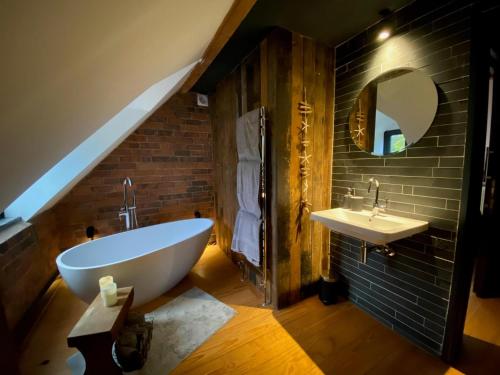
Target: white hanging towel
[
  {"x": 246, "y": 236},
  {"x": 248, "y": 136},
  {"x": 247, "y": 186}
]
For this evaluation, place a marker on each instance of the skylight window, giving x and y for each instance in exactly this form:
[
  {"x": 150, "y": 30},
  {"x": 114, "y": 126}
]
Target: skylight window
[{"x": 54, "y": 184}]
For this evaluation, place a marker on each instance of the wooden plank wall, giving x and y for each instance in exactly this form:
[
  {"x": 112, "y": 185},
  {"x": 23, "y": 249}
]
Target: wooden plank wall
[
  {"x": 274, "y": 75},
  {"x": 298, "y": 246},
  {"x": 235, "y": 95}
]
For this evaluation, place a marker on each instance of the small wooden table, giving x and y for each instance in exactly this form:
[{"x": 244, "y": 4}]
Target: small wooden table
[{"x": 97, "y": 330}]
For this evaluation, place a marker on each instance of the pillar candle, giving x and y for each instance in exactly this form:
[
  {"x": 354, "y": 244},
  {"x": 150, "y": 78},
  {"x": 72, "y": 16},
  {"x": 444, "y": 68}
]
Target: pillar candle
[
  {"x": 103, "y": 281},
  {"x": 109, "y": 294}
]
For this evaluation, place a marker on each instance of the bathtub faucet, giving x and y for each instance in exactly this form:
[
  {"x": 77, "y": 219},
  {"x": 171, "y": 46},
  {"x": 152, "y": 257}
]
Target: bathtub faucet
[{"x": 128, "y": 211}]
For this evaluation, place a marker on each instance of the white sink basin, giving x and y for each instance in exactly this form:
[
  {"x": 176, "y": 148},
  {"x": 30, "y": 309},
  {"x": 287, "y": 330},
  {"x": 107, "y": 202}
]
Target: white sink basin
[{"x": 378, "y": 230}]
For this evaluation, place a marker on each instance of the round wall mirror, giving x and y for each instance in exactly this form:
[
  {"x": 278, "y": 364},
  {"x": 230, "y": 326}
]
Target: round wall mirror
[{"x": 393, "y": 111}]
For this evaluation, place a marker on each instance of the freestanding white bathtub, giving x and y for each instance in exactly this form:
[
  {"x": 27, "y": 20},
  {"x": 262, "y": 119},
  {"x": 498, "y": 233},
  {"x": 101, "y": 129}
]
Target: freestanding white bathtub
[{"x": 152, "y": 259}]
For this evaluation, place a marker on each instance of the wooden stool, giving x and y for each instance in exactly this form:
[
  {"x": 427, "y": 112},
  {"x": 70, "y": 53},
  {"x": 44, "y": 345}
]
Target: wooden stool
[{"x": 97, "y": 330}]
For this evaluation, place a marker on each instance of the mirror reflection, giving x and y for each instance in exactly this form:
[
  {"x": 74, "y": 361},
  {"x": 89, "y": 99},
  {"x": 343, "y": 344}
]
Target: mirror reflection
[{"x": 393, "y": 111}]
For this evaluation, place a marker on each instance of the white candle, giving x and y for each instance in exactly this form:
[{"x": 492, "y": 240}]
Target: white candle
[
  {"x": 105, "y": 280},
  {"x": 109, "y": 294}
]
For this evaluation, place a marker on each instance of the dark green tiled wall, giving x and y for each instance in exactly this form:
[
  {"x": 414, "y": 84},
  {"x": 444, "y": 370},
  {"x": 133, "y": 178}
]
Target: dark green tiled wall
[{"x": 409, "y": 292}]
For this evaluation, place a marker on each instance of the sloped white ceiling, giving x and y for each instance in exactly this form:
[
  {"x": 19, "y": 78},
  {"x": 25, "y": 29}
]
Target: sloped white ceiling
[{"x": 67, "y": 67}]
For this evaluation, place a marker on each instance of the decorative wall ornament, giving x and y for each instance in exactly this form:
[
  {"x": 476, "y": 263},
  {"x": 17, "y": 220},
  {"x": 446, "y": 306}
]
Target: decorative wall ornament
[
  {"x": 360, "y": 118},
  {"x": 305, "y": 109}
]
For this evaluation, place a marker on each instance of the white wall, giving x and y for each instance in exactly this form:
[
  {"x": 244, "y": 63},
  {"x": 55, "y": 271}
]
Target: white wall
[
  {"x": 67, "y": 67},
  {"x": 53, "y": 185},
  {"x": 411, "y": 100},
  {"x": 383, "y": 123}
]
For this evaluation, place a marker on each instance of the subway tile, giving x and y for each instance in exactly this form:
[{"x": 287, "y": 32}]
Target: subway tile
[
  {"x": 436, "y": 151},
  {"x": 437, "y": 223},
  {"x": 411, "y": 199},
  {"x": 409, "y": 248},
  {"x": 434, "y": 327},
  {"x": 449, "y": 183},
  {"x": 350, "y": 155},
  {"x": 342, "y": 257},
  {"x": 441, "y": 253},
  {"x": 447, "y": 172},
  {"x": 456, "y": 84},
  {"x": 408, "y": 273},
  {"x": 423, "y": 264},
  {"x": 352, "y": 275},
  {"x": 339, "y": 170},
  {"x": 443, "y": 284},
  {"x": 451, "y": 107},
  {"x": 407, "y": 286},
  {"x": 414, "y": 335},
  {"x": 447, "y": 129},
  {"x": 404, "y": 308},
  {"x": 369, "y": 274},
  {"x": 450, "y": 118},
  {"x": 412, "y": 162},
  {"x": 430, "y": 334},
  {"x": 342, "y": 141},
  {"x": 402, "y": 207},
  {"x": 451, "y": 162},
  {"x": 364, "y": 294},
  {"x": 420, "y": 268},
  {"x": 454, "y": 95},
  {"x": 407, "y": 189},
  {"x": 436, "y": 212},
  {"x": 341, "y": 148},
  {"x": 373, "y": 310},
  {"x": 409, "y": 305},
  {"x": 452, "y": 204},
  {"x": 391, "y": 171},
  {"x": 426, "y": 142},
  {"x": 347, "y": 177},
  {"x": 437, "y": 192},
  {"x": 364, "y": 162},
  {"x": 433, "y": 307}
]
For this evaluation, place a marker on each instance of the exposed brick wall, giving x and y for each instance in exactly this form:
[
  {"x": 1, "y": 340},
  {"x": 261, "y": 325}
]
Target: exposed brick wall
[
  {"x": 27, "y": 264},
  {"x": 169, "y": 159},
  {"x": 410, "y": 292}
]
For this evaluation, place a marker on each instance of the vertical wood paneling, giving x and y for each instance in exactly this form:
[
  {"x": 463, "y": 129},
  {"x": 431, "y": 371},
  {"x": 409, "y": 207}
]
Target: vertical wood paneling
[
  {"x": 275, "y": 77},
  {"x": 315, "y": 98},
  {"x": 224, "y": 109},
  {"x": 279, "y": 85},
  {"x": 296, "y": 231}
]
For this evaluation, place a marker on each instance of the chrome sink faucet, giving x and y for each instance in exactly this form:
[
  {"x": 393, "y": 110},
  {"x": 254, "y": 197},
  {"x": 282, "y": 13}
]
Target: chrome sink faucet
[
  {"x": 377, "y": 207},
  {"x": 128, "y": 211}
]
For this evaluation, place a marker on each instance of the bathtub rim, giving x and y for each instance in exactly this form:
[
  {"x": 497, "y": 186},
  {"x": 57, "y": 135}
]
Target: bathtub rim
[{"x": 59, "y": 261}]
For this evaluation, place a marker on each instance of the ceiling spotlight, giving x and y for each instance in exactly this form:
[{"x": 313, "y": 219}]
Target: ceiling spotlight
[{"x": 384, "y": 34}]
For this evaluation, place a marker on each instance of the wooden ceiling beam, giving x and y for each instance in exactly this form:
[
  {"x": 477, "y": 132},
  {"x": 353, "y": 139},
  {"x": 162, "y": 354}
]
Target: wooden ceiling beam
[{"x": 232, "y": 20}]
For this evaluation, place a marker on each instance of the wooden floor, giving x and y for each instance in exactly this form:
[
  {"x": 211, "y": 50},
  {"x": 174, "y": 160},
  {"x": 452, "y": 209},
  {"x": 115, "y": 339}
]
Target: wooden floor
[
  {"x": 481, "y": 349},
  {"x": 308, "y": 338}
]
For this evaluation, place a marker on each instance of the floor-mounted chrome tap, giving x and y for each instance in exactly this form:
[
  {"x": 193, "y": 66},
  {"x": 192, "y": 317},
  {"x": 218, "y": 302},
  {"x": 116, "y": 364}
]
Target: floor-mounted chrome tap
[{"x": 128, "y": 211}]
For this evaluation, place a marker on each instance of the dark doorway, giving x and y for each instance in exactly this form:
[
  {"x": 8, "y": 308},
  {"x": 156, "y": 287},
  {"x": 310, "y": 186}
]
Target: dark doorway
[{"x": 474, "y": 314}]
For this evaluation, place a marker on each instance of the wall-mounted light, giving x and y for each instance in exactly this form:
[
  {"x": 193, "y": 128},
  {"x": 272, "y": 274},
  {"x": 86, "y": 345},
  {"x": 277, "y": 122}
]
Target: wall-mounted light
[
  {"x": 384, "y": 34},
  {"x": 385, "y": 27}
]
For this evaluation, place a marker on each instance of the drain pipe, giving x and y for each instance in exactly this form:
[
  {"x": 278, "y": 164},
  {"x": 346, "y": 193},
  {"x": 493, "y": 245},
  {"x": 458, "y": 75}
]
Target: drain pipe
[{"x": 363, "y": 252}]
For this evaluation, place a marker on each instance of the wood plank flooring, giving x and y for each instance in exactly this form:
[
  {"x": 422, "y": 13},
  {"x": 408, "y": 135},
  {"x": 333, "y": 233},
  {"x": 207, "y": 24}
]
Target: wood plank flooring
[{"x": 307, "y": 338}]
